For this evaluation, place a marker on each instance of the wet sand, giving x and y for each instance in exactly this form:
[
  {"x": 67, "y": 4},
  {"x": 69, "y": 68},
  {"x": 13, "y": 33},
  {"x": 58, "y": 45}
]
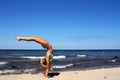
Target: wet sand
[{"x": 95, "y": 74}]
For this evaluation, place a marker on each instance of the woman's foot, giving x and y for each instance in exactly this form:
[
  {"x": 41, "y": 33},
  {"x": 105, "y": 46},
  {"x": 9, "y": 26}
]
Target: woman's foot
[
  {"x": 17, "y": 38},
  {"x": 46, "y": 76}
]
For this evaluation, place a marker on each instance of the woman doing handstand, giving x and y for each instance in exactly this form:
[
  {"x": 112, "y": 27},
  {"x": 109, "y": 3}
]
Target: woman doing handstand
[{"x": 44, "y": 44}]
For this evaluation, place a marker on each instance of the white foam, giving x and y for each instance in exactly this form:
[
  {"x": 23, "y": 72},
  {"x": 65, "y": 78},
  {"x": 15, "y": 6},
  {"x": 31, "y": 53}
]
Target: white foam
[
  {"x": 113, "y": 60},
  {"x": 82, "y": 56},
  {"x": 59, "y": 57},
  {"x": 28, "y": 70},
  {"x": 39, "y": 57},
  {"x": 62, "y": 66},
  {"x": 3, "y": 63},
  {"x": 69, "y": 65},
  {"x": 12, "y": 71},
  {"x": 33, "y": 57},
  {"x": 7, "y": 71},
  {"x": 59, "y": 67}
]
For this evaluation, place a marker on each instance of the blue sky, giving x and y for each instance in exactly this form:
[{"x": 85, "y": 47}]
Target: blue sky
[{"x": 66, "y": 24}]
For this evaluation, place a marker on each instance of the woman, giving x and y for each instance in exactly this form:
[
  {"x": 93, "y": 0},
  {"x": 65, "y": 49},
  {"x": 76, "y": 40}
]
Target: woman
[{"x": 44, "y": 44}]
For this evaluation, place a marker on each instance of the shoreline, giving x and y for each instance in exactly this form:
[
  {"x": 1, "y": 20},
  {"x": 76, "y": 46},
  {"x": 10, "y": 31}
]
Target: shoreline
[
  {"x": 93, "y": 74},
  {"x": 36, "y": 71}
]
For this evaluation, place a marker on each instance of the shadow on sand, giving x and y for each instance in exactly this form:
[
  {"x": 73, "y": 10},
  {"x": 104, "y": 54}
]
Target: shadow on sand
[{"x": 53, "y": 74}]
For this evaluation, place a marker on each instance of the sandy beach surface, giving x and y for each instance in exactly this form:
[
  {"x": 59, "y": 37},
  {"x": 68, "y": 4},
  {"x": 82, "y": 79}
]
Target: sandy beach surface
[{"x": 95, "y": 74}]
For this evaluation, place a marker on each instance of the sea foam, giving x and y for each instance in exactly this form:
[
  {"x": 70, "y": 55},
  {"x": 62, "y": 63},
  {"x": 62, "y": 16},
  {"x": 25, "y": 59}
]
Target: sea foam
[
  {"x": 7, "y": 71},
  {"x": 59, "y": 57},
  {"x": 82, "y": 56},
  {"x": 3, "y": 63},
  {"x": 39, "y": 57},
  {"x": 62, "y": 66},
  {"x": 33, "y": 57}
]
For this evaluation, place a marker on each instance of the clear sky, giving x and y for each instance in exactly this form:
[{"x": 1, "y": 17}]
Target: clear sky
[{"x": 66, "y": 24}]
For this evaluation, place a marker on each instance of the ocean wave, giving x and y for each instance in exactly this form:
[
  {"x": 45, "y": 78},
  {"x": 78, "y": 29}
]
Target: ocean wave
[
  {"x": 3, "y": 63},
  {"x": 33, "y": 57},
  {"x": 82, "y": 56},
  {"x": 28, "y": 70},
  {"x": 59, "y": 57},
  {"x": 62, "y": 66},
  {"x": 7, "y": 71},
  {"x": 15, "y": 71},
  {"x": 112, "y": 60},
  {"x": 39, "y": 57}
]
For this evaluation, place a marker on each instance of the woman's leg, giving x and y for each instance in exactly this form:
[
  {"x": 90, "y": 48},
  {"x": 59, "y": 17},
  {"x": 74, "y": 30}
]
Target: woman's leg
[
  {"x": 48, "y": 64},
  {"x": 24, "y": 38},
  {"x": 33, "y": 38}
]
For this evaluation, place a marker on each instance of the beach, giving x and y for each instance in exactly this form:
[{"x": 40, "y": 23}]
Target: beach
[
  {"x": 92, "y": 74},
  {"x": 66, "y": 65}
]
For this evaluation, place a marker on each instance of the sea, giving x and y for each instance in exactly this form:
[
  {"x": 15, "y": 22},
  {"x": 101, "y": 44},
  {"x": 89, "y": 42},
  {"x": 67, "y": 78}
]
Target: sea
[{"x": 26, "y": 61}]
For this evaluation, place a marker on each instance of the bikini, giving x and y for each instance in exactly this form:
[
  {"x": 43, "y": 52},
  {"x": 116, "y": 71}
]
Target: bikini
[{"x": 51, "y": 57}]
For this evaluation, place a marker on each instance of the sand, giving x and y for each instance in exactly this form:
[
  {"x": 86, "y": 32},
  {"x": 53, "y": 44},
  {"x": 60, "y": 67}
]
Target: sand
[{"x": 95, "y": 74}]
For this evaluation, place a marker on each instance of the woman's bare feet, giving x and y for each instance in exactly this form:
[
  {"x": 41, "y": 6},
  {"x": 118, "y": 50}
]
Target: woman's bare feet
[
  {"x": 17, "y": 38},
  {"x": 46, "y": 76}
]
